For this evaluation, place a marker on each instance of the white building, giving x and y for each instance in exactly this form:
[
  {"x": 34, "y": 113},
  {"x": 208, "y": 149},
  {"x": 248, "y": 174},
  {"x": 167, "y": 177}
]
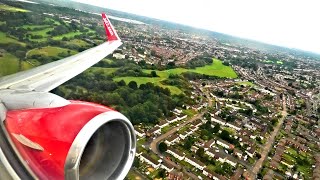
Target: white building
[
  {"x": 175, "y": 153},
  {"x": 154, "y": 163},
  {"x": 172, "y": 140},
  {"x": 225, "y": 144},
  {"x": 194, "y": 162},
  {"x": 139, "y": 132}
]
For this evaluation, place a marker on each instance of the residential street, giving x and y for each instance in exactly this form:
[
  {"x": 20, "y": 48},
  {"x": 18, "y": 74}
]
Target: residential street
[{"x": 257, "y": 166}]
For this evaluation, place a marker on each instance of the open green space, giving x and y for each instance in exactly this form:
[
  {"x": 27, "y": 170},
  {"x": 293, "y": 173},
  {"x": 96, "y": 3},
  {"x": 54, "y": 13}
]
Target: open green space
[
  {"x": 279, "y": 62},
  {"x": 4, "y": 7},
  {"x": 2, "y": 22},
  {"x": 42, "y": 32},
  {"x": 4, "y": 39},
  {"x": 189, "y": 112},
  {"x": 49, "y": 51},
  {"x": 245, "y": 83},
  {"x": 68, "y": 35},
  {"x": 77, "y": 42},
  {"x": 100, "y": 70},
  {"x": 215, "y": 69},
  {"x": 9, "y": 64},
  {"x": 32, "y": 27}
]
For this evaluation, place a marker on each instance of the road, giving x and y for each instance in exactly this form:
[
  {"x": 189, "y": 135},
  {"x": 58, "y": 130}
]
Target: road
[
  {"x": 257, "y": 166},
  {"x": 154, "y": 143}
]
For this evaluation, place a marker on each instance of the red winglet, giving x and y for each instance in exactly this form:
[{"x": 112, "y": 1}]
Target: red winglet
[{"x": 110, "y": 31}]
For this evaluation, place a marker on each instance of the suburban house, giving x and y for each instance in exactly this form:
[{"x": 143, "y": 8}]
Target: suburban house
[
  {"x": 251, "y": 152},
  {"x": 154, "y": 131},
  {"x": 173, "y": 119},
  {"x": 233, "y": 126},
  {"x": 182, "y": 117},
  {"x": 218, "y": 121},
  {"x": 139, "y": 132},
  {"x": 172, "y": 140},
  {"x": 185, "y": 134},
  {"x": 237, "y": 153},
  {"x": 225, "y": 144},
  {"x": 175, "y": 153},
  {"x": 212, "y": 175},
  {"x": 194, "y": 162},
  {"x": 210, "y": 153},
  {"x": 149, "y": 160},
  {"x": 168, "y": 167},
  {"x": 209, "y": 144},
  {"x": 163, "y": 123}
]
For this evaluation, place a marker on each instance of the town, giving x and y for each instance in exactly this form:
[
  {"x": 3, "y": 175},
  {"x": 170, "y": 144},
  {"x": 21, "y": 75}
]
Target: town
[{"x": 245, "y": 113}]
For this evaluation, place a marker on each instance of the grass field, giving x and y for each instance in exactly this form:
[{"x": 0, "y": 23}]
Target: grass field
[
  {"x": 9, "y": 64},
  {"x": 245, "y": 83},
  {"x": 5, "y": 40},
  {"x": 2, "y": 22},
  {"x": 78, "y": 42},
  {"x": 68, "y": 35},
  {"x": 12, "y": 9},
  {"x": 49, "y": 51},
  {"x": 105, "y": 71},
  {"x": 215, "y": 69},
  {"x": 32, "y": 27},
  {"x": 42, "y": 32},
  {"x": 279, "y": 62}
]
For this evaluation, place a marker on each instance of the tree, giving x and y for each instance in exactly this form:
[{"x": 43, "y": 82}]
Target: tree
[
  {"x": 154, "y": 74},
  {"x": 216, "y": 128},
  {"x": 136, "y": 163},
  {"x": 225, "y": 135},
  {"x": 162, "y": 173},
  {"x": 133, "y": 85},
  {"x": 163, "y": 147},
  {"x": 200, "y": 152}
]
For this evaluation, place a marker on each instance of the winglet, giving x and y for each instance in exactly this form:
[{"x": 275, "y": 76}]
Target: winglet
[{"x": 110, "y": 31}]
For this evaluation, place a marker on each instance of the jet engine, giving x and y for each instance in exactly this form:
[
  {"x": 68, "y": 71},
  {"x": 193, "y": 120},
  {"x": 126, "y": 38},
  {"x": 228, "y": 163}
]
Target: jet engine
[{"x": 68, "y": 140}]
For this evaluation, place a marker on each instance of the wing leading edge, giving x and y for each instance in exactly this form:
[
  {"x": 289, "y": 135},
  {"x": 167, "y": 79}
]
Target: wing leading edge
[{"x": 47, "y": 77}]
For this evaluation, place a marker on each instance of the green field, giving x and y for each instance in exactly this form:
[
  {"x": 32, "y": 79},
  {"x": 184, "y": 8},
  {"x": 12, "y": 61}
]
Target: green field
[
  {"x": 32, "y": 27},
  {"x": 105, "y": 71},
  {"x": 42, "y": 32},
  {"x": 215, "y": 69},
  {"x": 49, "y": 51},
  {"x": 9, "y": 64},
  {"x": 68, "y": 35},
  {"x": 12, "y": 9},
  {"x": 4, "y": 39},
  {"x": 2, "y": 22},
  {"x": 78, "y": 42},
  {"x": 245, "y": 83},
  {"x": 279, "y": 62}
]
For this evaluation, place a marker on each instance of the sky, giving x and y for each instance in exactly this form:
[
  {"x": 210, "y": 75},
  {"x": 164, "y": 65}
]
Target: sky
[{"x": 289, "y": 23}]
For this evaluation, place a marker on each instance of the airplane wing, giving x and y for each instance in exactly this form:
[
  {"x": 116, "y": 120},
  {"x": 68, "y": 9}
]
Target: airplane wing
[
  {"x": 47, "y": 77},
  {"x": 44, "y": 136}
]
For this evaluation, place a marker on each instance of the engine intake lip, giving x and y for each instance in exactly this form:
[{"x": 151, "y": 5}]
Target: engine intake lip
[{"x": 123, "y": 138}]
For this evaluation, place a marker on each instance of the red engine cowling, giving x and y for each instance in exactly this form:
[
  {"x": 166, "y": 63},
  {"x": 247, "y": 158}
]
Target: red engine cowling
[{"x": 78, "y": 141}]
